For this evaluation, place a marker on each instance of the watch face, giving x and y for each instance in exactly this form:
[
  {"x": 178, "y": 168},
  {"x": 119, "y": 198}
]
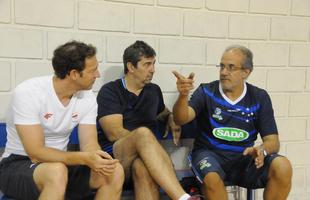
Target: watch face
[{"x": 265, "y": 152}]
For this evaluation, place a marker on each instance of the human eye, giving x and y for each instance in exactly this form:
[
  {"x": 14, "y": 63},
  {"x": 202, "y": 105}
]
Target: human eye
[
  {"x": 231, "y": 67},
  {"x": 221, "y": 66}
]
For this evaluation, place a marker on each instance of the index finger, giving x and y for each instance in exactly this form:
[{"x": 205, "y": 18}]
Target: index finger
[
  {"x": 104, "y": 155},
  {"x": 191, "y": 76},
  {"x": 177, "y": 74}
]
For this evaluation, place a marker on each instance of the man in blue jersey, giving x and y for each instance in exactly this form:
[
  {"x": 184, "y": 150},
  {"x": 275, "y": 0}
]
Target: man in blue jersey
[{"x": 230, "y": 113}]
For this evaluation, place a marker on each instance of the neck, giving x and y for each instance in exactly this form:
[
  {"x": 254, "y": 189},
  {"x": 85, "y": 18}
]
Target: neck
[
  {"x": 132, "y": 85},
  {"x": 234, "y": 93},
  {"x": 63, "y": 89}
]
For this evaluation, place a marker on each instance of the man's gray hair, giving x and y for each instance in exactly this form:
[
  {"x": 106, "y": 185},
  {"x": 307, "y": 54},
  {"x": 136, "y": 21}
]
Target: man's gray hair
[{"x": 248, "y": 60}]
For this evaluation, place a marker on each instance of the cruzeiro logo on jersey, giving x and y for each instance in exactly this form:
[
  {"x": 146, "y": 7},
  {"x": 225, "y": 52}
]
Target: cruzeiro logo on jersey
[
  {"x": 217, "y": 114},
  {"x": 230, "y": 134}
]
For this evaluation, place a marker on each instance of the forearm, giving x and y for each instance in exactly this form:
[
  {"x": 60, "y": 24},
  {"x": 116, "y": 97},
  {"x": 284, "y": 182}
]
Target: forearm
[
  {"x": 117, "y": 134},
  {"x": 271, "y": 144},
  {"x": 91, "y": 147},
  {"x": 180, "y": 110},
  {"x": 163, "y": 116},
  {"x": 47, "y": 154}
]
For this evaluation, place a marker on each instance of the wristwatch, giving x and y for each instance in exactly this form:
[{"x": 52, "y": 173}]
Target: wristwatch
[{"x": 264, "y": 151}]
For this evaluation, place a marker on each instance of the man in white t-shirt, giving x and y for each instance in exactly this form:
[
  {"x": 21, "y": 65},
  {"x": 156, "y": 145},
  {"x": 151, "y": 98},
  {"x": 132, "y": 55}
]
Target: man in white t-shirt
[{"x": 43, "y": 113}]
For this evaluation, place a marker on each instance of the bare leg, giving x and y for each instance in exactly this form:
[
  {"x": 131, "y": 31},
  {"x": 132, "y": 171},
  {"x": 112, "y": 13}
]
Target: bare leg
[
  {"x": 145, "y": 187},
  {"x": 51, "y": 179},
  {"x": 142, "y": 143},
  {"x": 279, "y": 183},
  {"x": 213, "y": 187},
  {"x": 109, "y": 187}
]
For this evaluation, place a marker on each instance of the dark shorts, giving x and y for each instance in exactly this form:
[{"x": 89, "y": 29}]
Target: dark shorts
[
  {"x": 233, "y": 168},
  {"x": 16, "y": 179}
]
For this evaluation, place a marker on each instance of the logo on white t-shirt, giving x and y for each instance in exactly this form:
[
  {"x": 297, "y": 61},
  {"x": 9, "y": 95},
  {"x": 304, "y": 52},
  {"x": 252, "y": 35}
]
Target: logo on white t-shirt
[
  {"x": 74, "y": 117},
  {"x": 48, "y": 115}
]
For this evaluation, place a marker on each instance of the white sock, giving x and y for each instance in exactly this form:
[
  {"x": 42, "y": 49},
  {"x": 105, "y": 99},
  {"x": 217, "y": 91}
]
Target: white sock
[{"x": 184, "y": 197}]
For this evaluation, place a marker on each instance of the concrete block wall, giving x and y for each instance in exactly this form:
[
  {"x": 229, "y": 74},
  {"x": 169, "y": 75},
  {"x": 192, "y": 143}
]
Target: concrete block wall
[{"x": 188, "y": 36}]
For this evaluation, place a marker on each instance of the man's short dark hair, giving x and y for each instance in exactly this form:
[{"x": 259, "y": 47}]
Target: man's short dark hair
[
  {"x": 71, "y": 56},
  {"x": 135, "y": 52}
]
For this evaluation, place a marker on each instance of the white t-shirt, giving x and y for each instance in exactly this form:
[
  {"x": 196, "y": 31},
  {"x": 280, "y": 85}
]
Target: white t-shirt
[{"x": 35, "y": 102}]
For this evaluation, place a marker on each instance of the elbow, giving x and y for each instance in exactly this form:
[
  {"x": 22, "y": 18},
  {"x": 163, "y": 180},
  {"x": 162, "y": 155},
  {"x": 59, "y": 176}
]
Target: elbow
[
  {"x": 34, "y": 157},
  {"x": 179, "y": 122},
  {"x": 111, "y": 137},
  {"x": 179, "y": 118}
]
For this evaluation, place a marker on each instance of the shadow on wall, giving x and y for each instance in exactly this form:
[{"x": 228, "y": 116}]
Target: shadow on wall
[{"x": 107, "y": 74}]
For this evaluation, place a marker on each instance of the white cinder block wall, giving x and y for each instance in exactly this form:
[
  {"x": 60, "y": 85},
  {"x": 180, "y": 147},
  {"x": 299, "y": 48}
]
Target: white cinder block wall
[{"x": 188, "y": 35}]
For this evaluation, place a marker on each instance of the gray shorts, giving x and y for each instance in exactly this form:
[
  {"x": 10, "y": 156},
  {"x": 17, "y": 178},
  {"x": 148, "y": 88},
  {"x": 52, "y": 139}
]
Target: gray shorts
[
  {"x": 232, "y": 167},
  {"x": 16, "y": 179}
]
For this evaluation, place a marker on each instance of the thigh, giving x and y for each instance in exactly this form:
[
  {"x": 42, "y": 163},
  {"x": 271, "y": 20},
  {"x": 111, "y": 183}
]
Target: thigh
[
  {"x": 204, "y": 161},
  {"x": 125, "y": 151},
  {"x": 249, "y": 176},
  {"x": 16, "y": 177}
]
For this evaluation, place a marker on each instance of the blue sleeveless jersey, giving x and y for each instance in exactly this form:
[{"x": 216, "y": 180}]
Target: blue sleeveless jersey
[{"x": 232, "y": 127}]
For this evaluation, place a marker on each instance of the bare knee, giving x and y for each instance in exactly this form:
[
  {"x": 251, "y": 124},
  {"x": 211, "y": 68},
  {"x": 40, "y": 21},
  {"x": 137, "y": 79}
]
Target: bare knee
[
  {"x": 144, "y": 133},
  {"x": 51, "y": 175},
  {"x": 281, "y": 170},
  {"x": 138, "y": 138},
  {"x": 212, "y": 181},
  {"x": 116, "y": 179}
]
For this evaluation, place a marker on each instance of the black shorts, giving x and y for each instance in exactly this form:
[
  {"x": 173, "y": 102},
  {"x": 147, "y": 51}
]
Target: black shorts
[
  {"x": 16, "y": 179},
  {"x": 233, "y": 168}
]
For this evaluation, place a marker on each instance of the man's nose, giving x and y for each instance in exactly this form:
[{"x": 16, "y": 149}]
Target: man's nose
[
  {"x": 152, "y": 68},
  {"x": 97, "y": 74}
]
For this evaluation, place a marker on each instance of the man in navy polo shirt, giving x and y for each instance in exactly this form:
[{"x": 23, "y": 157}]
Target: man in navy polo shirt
[
  {"x": 127, "y": 112},
  {"x": 230, "y": 113}
]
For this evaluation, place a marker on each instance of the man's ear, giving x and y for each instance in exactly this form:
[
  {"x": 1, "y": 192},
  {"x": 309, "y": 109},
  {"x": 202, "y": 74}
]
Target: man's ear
[
  {"x": 130, "y": 67},
  {"x": 74, "y": 74},
  {"x": 246, "y": 73}
]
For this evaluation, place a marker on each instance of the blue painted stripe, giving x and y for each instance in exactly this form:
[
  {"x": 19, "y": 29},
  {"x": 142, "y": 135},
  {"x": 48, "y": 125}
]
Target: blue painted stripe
[
  {"x": 237, "y": 117},
  {"x": 226, "y": 104}
]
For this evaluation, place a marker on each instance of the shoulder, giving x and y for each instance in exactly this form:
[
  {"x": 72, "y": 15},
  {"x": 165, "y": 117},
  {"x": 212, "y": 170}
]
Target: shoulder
[
  {"x": 86, "y": 99},
  {"x": 153, "y": 87},
  {"x": 213, "y": 84},
  {"x": 38, "y": 85},
  {"x": 210, "y": 87},
  {"x": 256, "y": 91},
  {"x": 111, "y": 86},
  {"x": 85, "y": 94}
]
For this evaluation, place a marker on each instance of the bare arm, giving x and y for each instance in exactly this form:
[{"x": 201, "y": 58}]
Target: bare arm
[
  {"x": 270, "y": 144},
  {"x": 98, "y": 160},
  {"x": 163, "y": 116},
  {"x": 88, "y": 137},
  {"x": 32, "y": 137},
  {"x": 181, "y": 111},
  {"x": 167, "y": 116},
  {"x": 112, "y": 125}
]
